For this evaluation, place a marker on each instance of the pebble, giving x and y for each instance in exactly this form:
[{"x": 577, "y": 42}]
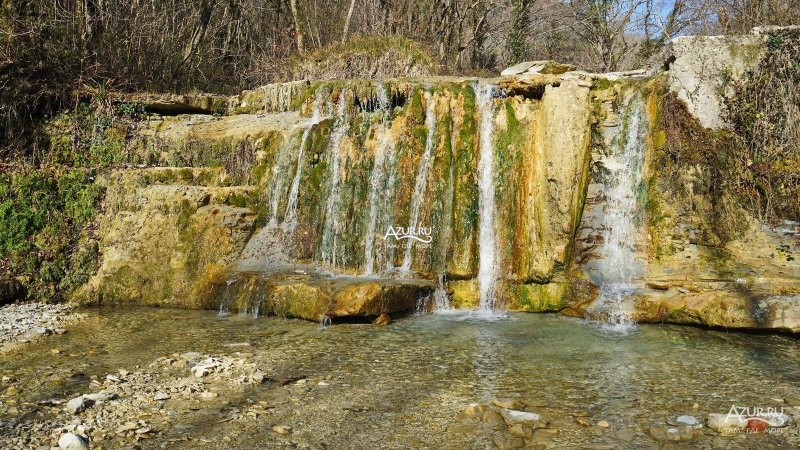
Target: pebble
[
  {"x": 78, "y": 404},
  {"x": 100, "y": 397},
  {"x": 22, "y": 322},
  {"x": 686, "y": 420},
  {"x": 513, "y": 417},
  {"x": 508, "y": 403},
  {"x": 71, "y": 441},
  {"x": 725, "y": 424},
  {"x": 281, "y": 429},
  {"x": 672, "y": 433},
  {"x": 603, "y": 424},
  {"x": 161, "y": 396},
  {"x": 503, "y": 441},
  {"x": 475, "y": 410}
]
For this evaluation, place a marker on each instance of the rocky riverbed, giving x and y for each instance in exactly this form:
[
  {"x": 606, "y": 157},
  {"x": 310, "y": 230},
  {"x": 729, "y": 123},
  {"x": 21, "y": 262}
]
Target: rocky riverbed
[
  {"x": 21, "y": 323},
  {"x": 154, "y": 378}
]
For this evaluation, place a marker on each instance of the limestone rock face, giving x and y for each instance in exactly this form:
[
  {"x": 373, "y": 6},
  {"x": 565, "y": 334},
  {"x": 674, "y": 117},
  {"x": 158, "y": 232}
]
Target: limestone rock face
[
  {"x": 746, "y": 284},
  {"x": 200, "y": 103},
  {"x": 296, "y": 186},
  {"x": 544, "y": 67},
  {"x": 164, "y": 243},
  {"x": 701, "y": 68}
]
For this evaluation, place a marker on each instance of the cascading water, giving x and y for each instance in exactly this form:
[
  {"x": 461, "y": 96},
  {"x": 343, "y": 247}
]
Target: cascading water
[
  {"x": 224, "y": 305},
  {"x": 290, "y": 219},
  {"x": 385, "y": 148},
  {"x": 278, "y": 180},
  {"x": 331, "y": 226},
  {"x": 441, "y": 302},
  {"x": 422, "y": 178},
  {"x": 388, "y": 202},
  {"x": 618, "y": 265},
  {"x": 487, "y": 265}
]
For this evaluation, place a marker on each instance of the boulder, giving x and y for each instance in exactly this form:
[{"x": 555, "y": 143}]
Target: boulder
[
  {"x": 170, "y": 104},
  {"x": 513, "y": 417},
  {"x": 383, "y": 319}
]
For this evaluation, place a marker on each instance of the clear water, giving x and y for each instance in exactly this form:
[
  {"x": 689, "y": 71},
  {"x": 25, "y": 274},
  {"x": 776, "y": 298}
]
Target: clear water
[{"x": 404, "y": 385}]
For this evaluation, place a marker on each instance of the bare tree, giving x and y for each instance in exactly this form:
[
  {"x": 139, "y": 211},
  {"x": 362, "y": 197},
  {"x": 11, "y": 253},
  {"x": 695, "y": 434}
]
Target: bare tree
[
  {"x": 297, "y": 30},
  {"x": 347, "y": 21}
]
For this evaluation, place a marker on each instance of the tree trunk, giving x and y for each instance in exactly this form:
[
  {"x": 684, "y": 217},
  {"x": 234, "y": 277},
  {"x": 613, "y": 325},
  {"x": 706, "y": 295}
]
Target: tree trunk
[
  {"x": 199, "y": 32},
  {"x": 298, "y": 34},
  {"x": 347, "y": 21}
]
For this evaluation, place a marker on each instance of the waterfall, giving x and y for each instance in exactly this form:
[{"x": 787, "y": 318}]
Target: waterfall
[
  {"x": 388, "y": 201},
  {"x": 487, "y": 245},
  {"x": 377, "y": 180},
  {"x": 290, "y": 219},
  {"x": 441, "y": 302},
  {"x": 618, "y": 264},
  {"x": 225, "y": 304},
  {"x": 331, "y": 226},
  {"x": 422, "y": 177}
]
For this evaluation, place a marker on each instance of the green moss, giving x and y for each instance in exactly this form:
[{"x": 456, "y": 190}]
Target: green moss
[
  {"x": 465, "y": 198},
  {"x": 185, "y": 212},
  {"x": 41, "y": 216},
  {"x": 508, "y": 149},
  {"x": 711, "y": 162},
  {"x": 538, "y": 297},
  {"x": 602, "y": 84}
]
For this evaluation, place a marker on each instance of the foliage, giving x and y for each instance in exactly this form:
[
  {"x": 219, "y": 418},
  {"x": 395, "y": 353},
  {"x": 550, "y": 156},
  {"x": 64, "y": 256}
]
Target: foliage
[
  {"x": 516, "y": 38},
  {"x": 765, "y": 112},
  {"x": 42, "y": 214},
  {"x": 699, "y": 167}
]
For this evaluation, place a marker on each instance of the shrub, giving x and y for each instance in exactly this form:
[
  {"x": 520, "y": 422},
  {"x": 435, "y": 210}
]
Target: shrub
[{"x": 765, "y": 113}]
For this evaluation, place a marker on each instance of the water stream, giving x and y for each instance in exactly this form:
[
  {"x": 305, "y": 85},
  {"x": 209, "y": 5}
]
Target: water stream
[
  {"x": 290, "y": 219},
  {"x": 332, "y": 225},
  {"x": 384, "y": 153},
  {"x": 619, "y": 266},
  {"x": 421, "y": 179},
  {"x": 487, "y": 245}
]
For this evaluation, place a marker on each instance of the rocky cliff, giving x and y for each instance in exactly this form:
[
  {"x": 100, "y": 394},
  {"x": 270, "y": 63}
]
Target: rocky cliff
[{"x": 359, "y": 197}]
